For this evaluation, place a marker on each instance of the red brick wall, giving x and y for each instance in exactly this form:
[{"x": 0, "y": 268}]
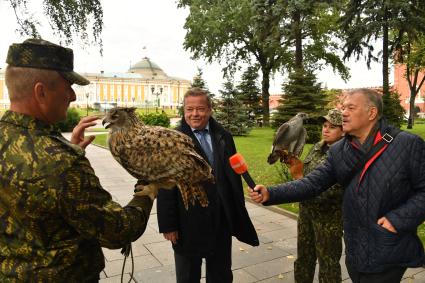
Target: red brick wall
[{"x": 401, "y": 85}]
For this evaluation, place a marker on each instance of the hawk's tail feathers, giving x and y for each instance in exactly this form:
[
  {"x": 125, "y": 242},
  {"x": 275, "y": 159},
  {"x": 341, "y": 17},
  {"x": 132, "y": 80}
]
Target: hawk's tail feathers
[{"x": 193, "y": 193}]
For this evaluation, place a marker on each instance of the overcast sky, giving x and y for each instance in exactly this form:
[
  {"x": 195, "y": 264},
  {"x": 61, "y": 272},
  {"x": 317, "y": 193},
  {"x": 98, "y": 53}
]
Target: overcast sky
[{"x": 129, "y": 25}]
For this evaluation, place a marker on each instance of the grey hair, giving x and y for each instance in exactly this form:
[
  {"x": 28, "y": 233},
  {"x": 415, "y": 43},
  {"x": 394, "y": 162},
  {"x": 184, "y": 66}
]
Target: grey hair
[{"x": 374, "y": 98}]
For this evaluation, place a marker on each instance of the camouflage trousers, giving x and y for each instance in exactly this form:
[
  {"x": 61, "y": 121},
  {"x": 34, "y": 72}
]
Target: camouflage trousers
[{"x": 319, "y": 238}]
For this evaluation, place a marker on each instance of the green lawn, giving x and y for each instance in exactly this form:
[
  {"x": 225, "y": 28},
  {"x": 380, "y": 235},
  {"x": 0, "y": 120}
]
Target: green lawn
[
  {"x": 101, "y": 140},
  {"x": 256, "y": 147}
]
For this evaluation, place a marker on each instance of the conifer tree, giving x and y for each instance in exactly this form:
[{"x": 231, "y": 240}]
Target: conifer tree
[
  {"x": 393, "y": 111},
  {"x": 302, "y": 93},
  {"x": 250, "y": 93},
  {"x": 198, "y": 80},
  {"x": 230, "y": 112}
]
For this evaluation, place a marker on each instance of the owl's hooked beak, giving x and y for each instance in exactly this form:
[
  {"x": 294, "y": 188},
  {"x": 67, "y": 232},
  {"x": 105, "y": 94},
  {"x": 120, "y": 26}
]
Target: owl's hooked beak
[{"x": 107, "y": 122}]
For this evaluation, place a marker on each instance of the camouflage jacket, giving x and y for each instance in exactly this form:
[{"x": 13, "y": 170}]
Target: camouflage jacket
[
  {"x": 54, "y": 214},
  {"x": 333, "y": 196}
]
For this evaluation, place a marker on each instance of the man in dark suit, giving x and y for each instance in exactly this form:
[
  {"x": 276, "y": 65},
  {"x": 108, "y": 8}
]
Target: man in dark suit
[{"x": 206, "y": 232}]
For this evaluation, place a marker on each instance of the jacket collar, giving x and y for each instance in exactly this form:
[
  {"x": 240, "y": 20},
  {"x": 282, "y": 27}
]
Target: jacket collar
[
  {"x": 28, "y": 122},
  {"x": 215, "y": 129},
  {"x": 381, "y": 127}
]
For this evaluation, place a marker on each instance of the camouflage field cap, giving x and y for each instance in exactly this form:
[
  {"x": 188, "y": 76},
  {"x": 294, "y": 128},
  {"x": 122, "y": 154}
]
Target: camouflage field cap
[
  {"x": 42, "y": 54},
  {"x": 334, "y": 117}
]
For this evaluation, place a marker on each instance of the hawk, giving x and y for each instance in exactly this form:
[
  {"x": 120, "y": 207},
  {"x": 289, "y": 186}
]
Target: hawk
[
  {"x": 158, "y": 157},
  {"x": 289, "y": 139}
]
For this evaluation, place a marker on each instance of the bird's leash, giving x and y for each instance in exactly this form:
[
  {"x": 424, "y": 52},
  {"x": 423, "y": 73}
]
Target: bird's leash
[{"x": 126, "y": 251}]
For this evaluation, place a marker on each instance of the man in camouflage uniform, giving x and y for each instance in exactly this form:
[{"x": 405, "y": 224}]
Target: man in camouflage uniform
[
  {"x": 54, "y": 214},
  {"x": 320, "y": 219}
]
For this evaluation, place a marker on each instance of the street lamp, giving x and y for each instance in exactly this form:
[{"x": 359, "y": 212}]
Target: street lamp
[
  {"x": 105, "y": 106},
  {"x": 87, "y": 103},
  {"x": 133, "y": 98},
  {"x": 178, "y": 96},
  {"x": 157, "y": 94}
]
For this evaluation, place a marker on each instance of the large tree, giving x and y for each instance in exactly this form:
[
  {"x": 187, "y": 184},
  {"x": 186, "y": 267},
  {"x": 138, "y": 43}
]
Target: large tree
[
  {"x": 236, "y": 31},
  {"x": 66, "y": 18},
  {"x": 412, "y": 55},
  {"x": 314, "y": 33},
  {"x": 367, "y": 21},
  {"x": 410, "y": 52}
]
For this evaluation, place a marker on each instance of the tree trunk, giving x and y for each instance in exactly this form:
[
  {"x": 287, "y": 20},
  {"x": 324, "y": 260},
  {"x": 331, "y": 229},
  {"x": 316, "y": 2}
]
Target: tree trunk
[
  {"x": 411, "y": 107},
  {"x": 265, "y": 84},
  {"x": 298, "y": 40}
]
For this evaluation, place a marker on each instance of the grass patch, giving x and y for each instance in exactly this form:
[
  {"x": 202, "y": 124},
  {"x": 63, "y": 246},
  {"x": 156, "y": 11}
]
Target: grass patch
[
  {"x": 418, "y": 129},
  {"x": 101, "y": 140}
]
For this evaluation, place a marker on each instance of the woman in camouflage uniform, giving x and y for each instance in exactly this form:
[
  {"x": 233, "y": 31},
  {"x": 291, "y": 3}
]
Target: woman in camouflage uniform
[{"x": 320, "y": 219}]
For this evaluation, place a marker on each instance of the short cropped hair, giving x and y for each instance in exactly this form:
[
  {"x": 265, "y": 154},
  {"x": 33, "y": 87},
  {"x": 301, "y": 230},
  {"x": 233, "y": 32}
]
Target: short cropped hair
[
  {"x": 20, "y": 81},
  {"x": 196, "y": 91},
  {"x": 374, "y": 98}
]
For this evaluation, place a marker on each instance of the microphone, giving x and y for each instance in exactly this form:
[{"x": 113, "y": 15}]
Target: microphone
[{"x": 239, "y": 166}]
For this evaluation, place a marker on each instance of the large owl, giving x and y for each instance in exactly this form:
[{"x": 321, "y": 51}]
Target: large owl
[
  {"x": 289, "y": 140},
  {"x": 158, "y": 157}
]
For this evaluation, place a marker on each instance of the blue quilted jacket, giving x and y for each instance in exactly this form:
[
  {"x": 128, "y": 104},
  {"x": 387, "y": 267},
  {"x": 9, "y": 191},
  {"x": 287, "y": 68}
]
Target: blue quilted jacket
[{"x": 392, "y": 184}]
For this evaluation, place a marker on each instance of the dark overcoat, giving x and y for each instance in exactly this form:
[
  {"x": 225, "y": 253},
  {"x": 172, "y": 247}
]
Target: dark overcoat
[{"x": 198, "y": 226}]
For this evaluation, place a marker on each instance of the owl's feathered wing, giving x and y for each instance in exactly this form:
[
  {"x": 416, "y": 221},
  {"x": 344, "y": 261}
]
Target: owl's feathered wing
[{"x": 162, "y": 156}]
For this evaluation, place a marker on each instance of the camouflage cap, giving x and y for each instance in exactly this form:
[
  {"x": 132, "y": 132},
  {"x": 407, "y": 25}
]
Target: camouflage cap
[
  {"x": 334, "y": 117},
  {"x": 42, "y": 54}
]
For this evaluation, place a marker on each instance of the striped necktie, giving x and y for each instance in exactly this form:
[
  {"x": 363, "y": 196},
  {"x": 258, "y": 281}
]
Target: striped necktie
[{"x": 204, "y": 144}]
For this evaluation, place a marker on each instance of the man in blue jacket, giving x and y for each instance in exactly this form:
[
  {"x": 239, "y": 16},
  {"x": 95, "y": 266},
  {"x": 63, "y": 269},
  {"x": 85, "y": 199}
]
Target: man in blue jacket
[{"x": 383, "y": 174}]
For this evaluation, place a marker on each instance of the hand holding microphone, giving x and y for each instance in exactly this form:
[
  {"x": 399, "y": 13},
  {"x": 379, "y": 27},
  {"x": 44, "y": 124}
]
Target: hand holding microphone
[{"x": 258, "y": 193}]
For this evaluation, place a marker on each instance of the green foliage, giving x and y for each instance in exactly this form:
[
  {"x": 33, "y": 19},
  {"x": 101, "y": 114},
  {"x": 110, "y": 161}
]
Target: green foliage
[
  {"x": 66, "y": 18},
  {"x": 72, "y": 119},
  {"x": 198, "y": 81},
  {"x": 333, "y": 97},
  {"x": 364, "y": 22},
  {"x": 250, "y": 93},
  {"x": 230, "y": 112},
  {"x": 302, "y": 94},
  {"x": 236, "y": 31},
  {"x": 314, "y": 33},
  {"x": 155, "y": 119},
  {"x": 393, "y": 111}
]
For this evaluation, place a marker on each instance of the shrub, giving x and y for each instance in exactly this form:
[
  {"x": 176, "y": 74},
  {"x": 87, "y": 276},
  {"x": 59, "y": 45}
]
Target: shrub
[
  {"x": 155, "y": 119},
  {"x": 72, "y": 119}
]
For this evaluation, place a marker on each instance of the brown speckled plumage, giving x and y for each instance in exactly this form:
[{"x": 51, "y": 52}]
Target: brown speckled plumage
[{"x": 156, "y": 155}]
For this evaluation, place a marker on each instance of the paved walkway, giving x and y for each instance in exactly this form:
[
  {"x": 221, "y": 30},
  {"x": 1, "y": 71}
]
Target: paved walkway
[{"x": 272, "y": 261}]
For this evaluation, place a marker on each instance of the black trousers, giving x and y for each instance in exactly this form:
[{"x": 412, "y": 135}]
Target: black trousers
[
  {"x": 392, "y": 275},
  {"x": 218, "y": 264}
]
